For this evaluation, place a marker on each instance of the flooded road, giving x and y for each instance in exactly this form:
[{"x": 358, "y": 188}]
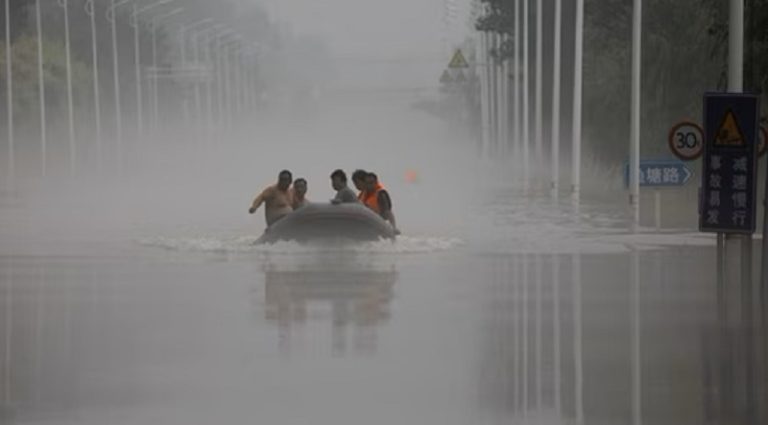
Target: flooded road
[{"x": 532, "y": 313}]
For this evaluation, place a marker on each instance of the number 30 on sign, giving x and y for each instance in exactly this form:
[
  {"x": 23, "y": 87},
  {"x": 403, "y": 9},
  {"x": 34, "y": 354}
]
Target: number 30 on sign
[{"x": 686, "y": 140}]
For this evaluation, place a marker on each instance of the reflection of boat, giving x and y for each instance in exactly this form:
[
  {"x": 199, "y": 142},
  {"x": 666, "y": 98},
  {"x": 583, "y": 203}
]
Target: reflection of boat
[
  {"x": 356, "y": 301},
  {"x": 327, "y": 221}
]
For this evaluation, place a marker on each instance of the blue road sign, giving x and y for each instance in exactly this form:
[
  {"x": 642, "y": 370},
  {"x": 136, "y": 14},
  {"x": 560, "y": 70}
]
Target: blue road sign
[
  {"x": 729, "y": 184},
  {"x": 660, "y": 173}
]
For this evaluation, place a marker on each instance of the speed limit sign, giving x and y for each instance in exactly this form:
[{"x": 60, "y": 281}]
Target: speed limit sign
[
  {"x": 761, "y": 144},
  {"x": 686, "y": 140}
]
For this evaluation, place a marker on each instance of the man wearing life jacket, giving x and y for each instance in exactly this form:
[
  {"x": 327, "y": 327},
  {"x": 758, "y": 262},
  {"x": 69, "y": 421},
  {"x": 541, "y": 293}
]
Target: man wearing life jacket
[{"x": 377, "y": 199}]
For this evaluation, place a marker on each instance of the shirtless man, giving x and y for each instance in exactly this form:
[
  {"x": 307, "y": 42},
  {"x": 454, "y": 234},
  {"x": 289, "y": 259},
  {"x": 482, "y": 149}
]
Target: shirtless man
[
  {"x": 299, "y": 194},
  {"x": 277, "y": 199}
]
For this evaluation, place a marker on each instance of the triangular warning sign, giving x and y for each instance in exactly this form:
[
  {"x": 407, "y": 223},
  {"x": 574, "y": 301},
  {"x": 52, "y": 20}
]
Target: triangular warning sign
[
  {"x": 729, "y": 133},
  {"x": 460, "y": 78},
  {"x": 458, "y": 60},
  {"x": 446, "y": 77}
]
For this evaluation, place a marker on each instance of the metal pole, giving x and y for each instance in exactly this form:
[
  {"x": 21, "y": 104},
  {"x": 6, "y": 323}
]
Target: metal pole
[
  {"x": 155, "y": 100},
  {"x": 507, "y": 98},
  {"x": 526, "y": 94},
  {"x": 41, "y": 89},
  {"x": 520, "y": 147},
  {"x": 498, "y": 74},
  {"x": 116, "y": 71},
  {"x": 538, "y": 125},
  {"x": 228, "y": 83},
  {"x": 209, "y": 92},
  {"x": 484, "y": 92},
  {"x": 556, "y": 61},
  {"x": 90, "y": 9},
  {"x": 577, "y": 93},
  {"x": 9, "y": 96},
  {"x": 634, "y": 143},
  {"x": 220, "y": 76},
  {"x": 70, "y": 106},
  {"x": 137, "y": 63}
]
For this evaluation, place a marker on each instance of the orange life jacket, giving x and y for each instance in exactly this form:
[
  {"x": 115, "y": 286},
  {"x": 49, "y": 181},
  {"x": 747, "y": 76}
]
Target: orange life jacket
[{"x": 371, "y": 199}]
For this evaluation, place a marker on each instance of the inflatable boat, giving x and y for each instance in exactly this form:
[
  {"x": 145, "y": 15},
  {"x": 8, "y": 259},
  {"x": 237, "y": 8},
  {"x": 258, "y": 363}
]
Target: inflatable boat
[{"x": 327, "y": 221}]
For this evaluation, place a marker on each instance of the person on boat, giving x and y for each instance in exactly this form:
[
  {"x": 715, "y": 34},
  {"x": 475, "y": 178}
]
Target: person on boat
[
  {"x": 377, "y": 199},
  {"x": 358, "y": 179},
  {"x": 298, "y": 193},
  {"x": 344, "y": 194},
  {"x": 276, "y": 199}
]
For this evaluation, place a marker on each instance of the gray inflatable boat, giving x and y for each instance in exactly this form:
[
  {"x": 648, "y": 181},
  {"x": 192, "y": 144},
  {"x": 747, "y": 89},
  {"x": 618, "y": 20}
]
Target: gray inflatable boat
[{"x": 327, "y": 221}]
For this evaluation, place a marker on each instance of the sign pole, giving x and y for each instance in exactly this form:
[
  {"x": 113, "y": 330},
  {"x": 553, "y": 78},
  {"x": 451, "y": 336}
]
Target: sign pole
[{"x": 657, "y": 208}]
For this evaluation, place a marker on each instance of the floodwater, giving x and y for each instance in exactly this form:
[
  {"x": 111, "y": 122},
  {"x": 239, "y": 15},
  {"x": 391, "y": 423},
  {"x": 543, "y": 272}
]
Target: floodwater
[{"x": 533, "y": 312}]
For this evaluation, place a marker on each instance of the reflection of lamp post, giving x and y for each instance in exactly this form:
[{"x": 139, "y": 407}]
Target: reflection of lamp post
[
  {"x": 9, "y": 94},
  {"x": 41, "y": 87},
  {"x": 116, "y": 71},
  {"x": 153, "y": 27},
  {"x": 90, "y": 9},
  {"x": 70, "y": 108}
]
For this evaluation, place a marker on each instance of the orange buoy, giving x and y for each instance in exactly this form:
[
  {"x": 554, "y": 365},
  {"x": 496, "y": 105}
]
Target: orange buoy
[{"x": 411, "y": 176}]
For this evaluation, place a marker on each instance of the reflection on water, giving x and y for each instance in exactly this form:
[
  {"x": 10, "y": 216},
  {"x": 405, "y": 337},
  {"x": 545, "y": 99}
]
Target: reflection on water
[
  {"x": 565, "y": 345},
  {"x": 350, "y": 298}
]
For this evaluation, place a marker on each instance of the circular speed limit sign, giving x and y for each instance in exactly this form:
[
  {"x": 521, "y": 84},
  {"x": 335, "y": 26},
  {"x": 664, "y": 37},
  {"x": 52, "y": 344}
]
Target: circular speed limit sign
[
  {"x": 761, "y": 144},
  {"x": 686, "y": 140}
]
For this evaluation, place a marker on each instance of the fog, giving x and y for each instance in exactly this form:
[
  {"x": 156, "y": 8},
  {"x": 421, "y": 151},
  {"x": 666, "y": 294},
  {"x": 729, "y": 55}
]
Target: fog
[{"x": 134, "y": 290}]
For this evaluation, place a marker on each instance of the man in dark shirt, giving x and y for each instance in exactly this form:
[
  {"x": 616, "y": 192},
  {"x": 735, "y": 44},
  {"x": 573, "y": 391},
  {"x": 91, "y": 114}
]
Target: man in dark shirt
[{"x": 343, "y": 193}]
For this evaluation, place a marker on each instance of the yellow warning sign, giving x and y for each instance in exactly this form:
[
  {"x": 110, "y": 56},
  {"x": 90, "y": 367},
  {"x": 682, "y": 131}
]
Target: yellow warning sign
[
  {"x": 729, "y": 133},
  {"x": 446, "y": 77},
  {"x": 458, "y": 61}
]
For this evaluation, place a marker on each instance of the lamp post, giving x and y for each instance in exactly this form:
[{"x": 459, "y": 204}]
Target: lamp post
[
  {"x": 116, "y": 71},
  {"x": 153, "y": 27},
  {"x": 70, "y": 108},
  {"x": 9, "y": 96},
  {"x": 134, "y": 21},
  {"x": 183, "y": 31},
  {"x": 90, "y": 9},
  {"x": 41, "y": 93}
]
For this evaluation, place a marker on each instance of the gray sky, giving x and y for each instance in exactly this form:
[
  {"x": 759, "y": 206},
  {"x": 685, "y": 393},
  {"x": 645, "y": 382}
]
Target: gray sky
[{"x": 394, "y": 42}]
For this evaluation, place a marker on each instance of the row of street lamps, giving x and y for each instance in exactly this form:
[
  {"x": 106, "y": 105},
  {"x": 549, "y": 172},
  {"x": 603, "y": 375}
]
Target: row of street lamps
[{"x": 229, "y": 79}]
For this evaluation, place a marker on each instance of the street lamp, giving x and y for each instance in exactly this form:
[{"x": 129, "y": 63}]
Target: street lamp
[
  {"x": 116, "y": 70},
  {"x": 41, "y": 87},
  {"x": 70, "y": 108},
  {"x": 90, "y": 10},
  {"x": 183, "y": 30},
  {"x": 134, "y": 22},
  {"x": 153, "y": 26},
  {"x": 9, "y": 95}
]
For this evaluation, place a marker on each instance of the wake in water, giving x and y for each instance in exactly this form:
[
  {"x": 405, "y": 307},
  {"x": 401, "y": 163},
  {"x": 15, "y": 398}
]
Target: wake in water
[{"x": 246, "y": 244}]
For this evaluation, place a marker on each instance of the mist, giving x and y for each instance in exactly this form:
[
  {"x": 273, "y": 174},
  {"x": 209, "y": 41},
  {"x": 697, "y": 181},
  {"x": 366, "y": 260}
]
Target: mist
[{"x": 522, "y": 287}]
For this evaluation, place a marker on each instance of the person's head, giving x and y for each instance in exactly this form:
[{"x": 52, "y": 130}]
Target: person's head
[
  {"x": 371, "y": 180},
  {"x": 284, "y": 180},
  {"x": 358, "y": 178},
  {"x": 300, "y": 187},
  {"x": 338, "y": 179}
]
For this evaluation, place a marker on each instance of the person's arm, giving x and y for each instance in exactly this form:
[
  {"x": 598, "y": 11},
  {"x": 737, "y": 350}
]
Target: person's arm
[{"x": 259, "y": 200}]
